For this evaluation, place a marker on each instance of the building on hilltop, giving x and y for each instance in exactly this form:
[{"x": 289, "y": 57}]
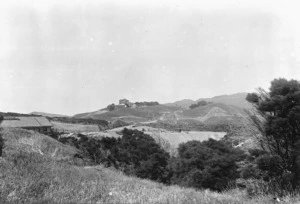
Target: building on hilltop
[
  {"x": 38, "y": 124},
  {"x": 123, "y": 101},
  {"x": 127, "y": 103}
]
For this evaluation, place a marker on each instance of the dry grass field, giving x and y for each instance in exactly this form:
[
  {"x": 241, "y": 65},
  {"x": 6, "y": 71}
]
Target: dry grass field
[
  {"x": 70, "y": 127},
  {"x": 175, "y": 138}
]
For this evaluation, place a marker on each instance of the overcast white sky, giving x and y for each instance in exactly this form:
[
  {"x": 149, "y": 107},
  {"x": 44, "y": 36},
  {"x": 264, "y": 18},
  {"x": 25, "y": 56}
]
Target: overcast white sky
[{"x": 69, "y": 57}]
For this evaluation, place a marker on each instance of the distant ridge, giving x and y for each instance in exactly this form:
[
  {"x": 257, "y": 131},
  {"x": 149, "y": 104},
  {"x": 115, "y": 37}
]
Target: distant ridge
[
  {"x": 238, "y": 100},
  {"x": 185, "y": 103},
  {"x": 48, "y": 114},
  {"x": 225, "y": 109}
]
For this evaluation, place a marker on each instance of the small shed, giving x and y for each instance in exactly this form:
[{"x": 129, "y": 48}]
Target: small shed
[{"x": 38, "y": 124}]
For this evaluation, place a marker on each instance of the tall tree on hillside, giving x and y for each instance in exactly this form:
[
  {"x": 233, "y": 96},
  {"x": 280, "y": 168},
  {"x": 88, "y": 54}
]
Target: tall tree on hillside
[
  {"x": 111, "y": 107},
  {"x": 281, "y": 130}
]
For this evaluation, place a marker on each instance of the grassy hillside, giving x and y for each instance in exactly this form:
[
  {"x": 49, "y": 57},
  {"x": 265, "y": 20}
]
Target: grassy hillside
[
  {"x": 215, "y": 117},
  {"x": 238, "y": 100},
  {"x": 18, "y": 141},
  {"x": 139, "y": 114},
  {"x": 34, "y": 169},
  {"x": 214, "y": 109},
  {"x": 89, "y": 114},
  {"x": 185, "y": 103},
  {"x": 69, "y": 127}
]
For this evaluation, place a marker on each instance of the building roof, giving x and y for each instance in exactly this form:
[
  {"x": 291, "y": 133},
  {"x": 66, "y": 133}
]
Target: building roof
[{"x": 26, "y": 122}]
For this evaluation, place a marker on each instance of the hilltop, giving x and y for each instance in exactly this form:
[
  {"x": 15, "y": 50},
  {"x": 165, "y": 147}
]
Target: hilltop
[
  {"x": 231, "y": 105},
  {"x": 238, "y": 100},
  {"x": 138, "y": 114},
  {"x": 226, "y": 113},
  {"x": 185, "y": 103}
]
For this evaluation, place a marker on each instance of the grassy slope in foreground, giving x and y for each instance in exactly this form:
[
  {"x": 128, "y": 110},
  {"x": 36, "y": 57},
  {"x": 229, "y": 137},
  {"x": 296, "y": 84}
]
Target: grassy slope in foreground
[{"x": 32, "y": 170}]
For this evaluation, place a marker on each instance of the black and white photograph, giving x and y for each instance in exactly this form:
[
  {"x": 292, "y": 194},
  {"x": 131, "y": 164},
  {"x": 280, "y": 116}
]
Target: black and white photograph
[{"x": 149, "y": 101}]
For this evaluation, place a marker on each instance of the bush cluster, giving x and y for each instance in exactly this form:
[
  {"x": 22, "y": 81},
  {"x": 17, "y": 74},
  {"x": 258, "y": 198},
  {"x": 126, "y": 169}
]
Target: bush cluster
[
  {"x": 135, "y": 153},
  {"x": 210, "y": 164},
  {"x": 145, "y": 103},
  {"x": 198, "y": 104}
]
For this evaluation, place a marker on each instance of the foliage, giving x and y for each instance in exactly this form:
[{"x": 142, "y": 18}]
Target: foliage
[
  {"x": 55, "y": 134},
  {"x": 209, "y": 164},
  {"x": 199, "y": 103},
  {"x": 40, "y": 180},
  {"x": 135, "y": 153},
  {"x": 111, "y": 107},
  {"x": 145, "y": 103},
  {"x": 119, "y": 123},
  {"x": 28, "y": 176},
  {"x": 280, "y": 107},
  {"x": 249, "y": 168}
]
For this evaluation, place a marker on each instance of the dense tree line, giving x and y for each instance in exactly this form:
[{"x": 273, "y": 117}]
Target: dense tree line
[
  {"x": 135, "y": 153},
  {"x": 280, "y": 131},
  {"x": 145, "y": 103}
]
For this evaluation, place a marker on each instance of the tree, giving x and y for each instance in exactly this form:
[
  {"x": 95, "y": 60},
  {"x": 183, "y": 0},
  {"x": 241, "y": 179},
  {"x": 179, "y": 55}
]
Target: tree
[
  {"x": 135, "y": 153},
  {"x": 210, "y": 164},
  {"x": 111, "y": 107},
  {"x": 141, "y": 151},
  {"x": 145, "y": 103},
  {"x": 280, "y": 108},
  {"x": 198, "y": 104}
]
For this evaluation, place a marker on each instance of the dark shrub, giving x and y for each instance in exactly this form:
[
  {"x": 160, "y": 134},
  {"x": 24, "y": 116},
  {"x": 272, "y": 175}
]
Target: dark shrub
[
  {"x": 135, "y": 153},
  {"x": 250, "y": 171},
  {"x": 210, "y": 164}
]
